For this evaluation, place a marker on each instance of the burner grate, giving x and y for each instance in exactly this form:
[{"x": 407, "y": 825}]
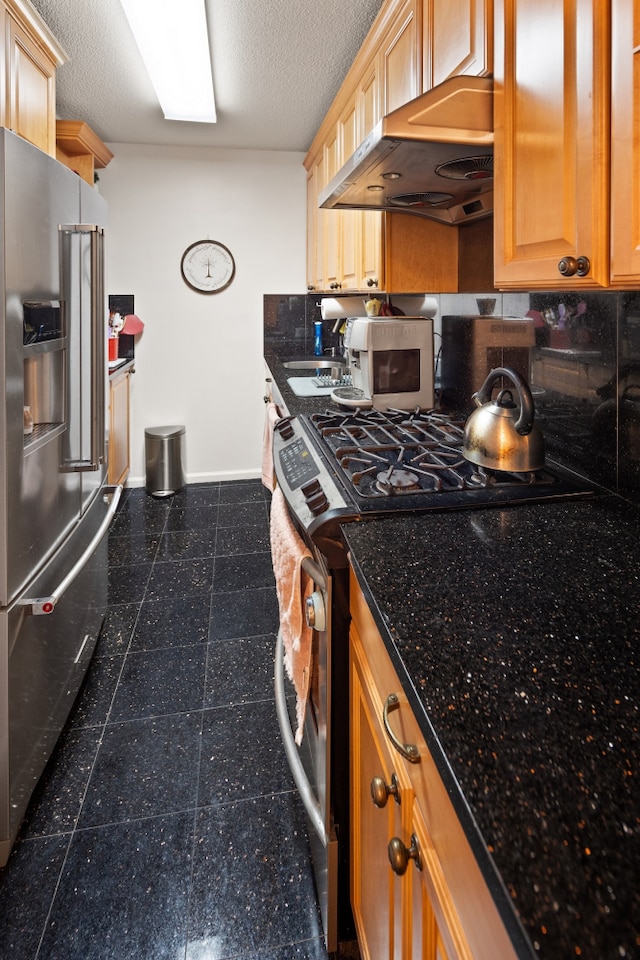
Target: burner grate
[{"x": 383, "y": 454}]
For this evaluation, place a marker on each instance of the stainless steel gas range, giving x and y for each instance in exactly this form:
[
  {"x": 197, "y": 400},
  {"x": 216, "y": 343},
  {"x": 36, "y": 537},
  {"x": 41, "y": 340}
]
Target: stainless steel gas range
[
  {"x": 338, "y": 467},
  {"x": 335, "y": 467}
]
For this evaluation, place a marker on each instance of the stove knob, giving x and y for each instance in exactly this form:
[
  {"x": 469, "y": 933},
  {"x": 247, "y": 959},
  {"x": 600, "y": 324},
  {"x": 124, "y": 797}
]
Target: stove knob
[
  {"x": 317, "y": 504},
  {"x": 314, "y": 497},
  {"x": 314, "y": 612},
  {"x": 311, "y": 488},
  {"x": 284, "y": 428}
]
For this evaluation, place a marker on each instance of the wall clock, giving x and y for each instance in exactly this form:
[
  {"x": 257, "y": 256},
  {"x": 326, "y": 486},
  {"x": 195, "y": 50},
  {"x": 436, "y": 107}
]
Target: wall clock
[{"x": 207, "y": 266}]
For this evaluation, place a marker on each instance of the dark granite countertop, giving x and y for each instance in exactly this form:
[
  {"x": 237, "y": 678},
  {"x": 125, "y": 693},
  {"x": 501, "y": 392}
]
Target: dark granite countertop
[
  {"x": 294, "y": 404},
  {"x": 515, "y": 633}
]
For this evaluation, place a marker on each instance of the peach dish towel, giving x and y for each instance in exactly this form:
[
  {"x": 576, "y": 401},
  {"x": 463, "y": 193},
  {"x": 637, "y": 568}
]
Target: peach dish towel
[
  {"x": 293, "y": 585},
  {"x": 272, "y": 416}
]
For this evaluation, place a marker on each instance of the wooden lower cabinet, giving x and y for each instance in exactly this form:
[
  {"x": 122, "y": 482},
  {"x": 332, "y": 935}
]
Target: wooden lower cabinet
[
  {"x": 438, "y": 906},
  {"x": 119, "y": 395},
  {"x": 375, "y": 890}
]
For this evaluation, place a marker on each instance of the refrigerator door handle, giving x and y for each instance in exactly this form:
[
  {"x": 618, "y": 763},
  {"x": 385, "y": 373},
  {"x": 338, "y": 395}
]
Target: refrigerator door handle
[
  {"x": 44, "y": 605},
  {"x": 98, "y": 453}
]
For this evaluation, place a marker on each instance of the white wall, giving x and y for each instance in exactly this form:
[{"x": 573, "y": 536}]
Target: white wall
[{"x": 199, "y": 358}]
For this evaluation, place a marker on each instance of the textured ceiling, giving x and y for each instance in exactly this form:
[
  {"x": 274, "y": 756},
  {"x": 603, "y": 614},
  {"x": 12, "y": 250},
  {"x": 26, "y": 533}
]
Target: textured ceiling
[{"x": 277, "y": 66}]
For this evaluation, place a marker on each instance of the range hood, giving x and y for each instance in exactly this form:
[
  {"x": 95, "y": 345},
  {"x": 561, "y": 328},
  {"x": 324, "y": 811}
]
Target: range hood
[{"x": 433, "y": 157}]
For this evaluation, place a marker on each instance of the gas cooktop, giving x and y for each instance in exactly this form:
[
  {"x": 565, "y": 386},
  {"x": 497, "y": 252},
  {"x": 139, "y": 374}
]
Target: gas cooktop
[{"x": 347, "y": 465}]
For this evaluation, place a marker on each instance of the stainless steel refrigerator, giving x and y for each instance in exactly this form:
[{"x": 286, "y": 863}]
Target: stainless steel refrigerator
[{"x": 55, "y": 507}]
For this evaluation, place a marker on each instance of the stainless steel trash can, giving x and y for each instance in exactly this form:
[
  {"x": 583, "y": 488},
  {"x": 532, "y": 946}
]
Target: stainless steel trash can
[{"x": 164, "y": 452}]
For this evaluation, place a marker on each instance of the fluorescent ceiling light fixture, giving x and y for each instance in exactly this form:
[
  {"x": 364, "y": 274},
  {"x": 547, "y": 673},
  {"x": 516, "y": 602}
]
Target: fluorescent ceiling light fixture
[{"x": 173, "y": 39}]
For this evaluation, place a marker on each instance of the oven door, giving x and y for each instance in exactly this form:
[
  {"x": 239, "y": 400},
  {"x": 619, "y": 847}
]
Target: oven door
[{"x": 310, "y": 763}]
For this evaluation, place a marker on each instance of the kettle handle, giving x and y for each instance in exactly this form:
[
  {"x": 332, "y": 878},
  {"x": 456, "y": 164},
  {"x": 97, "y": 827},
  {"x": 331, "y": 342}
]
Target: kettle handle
[{"x": 524, "y": 423}]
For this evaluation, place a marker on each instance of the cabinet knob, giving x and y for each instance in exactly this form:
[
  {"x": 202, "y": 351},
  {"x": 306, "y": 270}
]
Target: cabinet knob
[
  {"x": 399, "y": 856},
  {"x": 371, "y": 282},
  {"x": 381, "y": 791},
  {"x": 583, "y": 266},
  {"x": 568, "y": 266}
]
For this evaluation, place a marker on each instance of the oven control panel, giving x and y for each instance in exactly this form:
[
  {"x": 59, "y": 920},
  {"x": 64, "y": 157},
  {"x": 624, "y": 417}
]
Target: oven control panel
[
  {"x": 298, "y": 466},
  {"x": 302, "y": 475}
]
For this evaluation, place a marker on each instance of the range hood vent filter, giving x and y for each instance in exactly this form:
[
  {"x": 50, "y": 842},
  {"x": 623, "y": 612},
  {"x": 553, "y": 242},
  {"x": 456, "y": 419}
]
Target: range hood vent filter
[
  {"x": 467, "y": 168},
  {"x": 420, "y": 199}
]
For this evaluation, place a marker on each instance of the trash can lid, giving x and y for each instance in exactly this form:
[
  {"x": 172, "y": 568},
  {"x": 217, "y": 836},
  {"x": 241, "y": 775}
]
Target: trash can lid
[{"x": 163, "y": 433}]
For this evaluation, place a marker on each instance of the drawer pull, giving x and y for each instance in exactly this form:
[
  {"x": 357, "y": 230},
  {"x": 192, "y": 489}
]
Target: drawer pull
[
  {"x": 407, "y": 750},
  {"x": 399, "y": 856},
  {"x": 381, "y": 791}
]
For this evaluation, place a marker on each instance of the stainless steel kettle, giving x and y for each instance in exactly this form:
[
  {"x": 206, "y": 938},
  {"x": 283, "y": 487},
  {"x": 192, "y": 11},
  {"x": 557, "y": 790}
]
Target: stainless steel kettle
[{"x": 501, "y": 434}]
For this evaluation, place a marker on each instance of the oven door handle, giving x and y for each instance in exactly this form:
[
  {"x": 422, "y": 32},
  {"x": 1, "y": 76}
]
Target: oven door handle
[
  {"x": 307, "y": 795},
  {"x": 312, "y": 569}
]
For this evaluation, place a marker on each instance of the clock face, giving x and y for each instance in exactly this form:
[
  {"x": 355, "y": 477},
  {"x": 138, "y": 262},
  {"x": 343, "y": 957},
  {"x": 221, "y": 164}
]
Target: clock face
[{"x": 207, "y": 266}]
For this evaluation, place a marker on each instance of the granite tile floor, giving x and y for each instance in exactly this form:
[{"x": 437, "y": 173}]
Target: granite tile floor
[{"x": 167, "y": 824}]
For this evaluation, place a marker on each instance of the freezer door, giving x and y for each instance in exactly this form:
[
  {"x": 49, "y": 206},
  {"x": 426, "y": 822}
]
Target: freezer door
[
  {"x": 39, "y": 505},
  {"x": 44, "y": 657}
]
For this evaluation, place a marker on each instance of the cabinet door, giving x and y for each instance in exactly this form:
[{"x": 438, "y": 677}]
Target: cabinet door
[
  {"x": 369, "y": 105},
  {"x": 349, "y": 220},
  {"x": 552, "y": 75},
  {"x": 401, "y": 57},
  {"x": 457, "y": 39},
  {"x": 376, "y": 892},
  {"x": 432, "y": 938},
  {"x": 316, "y": 183},
  {"x": 118, "y": 429},
  {"x": 4, "y": 65},
  {"x": 370, "y": 222},
  {"x": 625, "y": 143},
  {"x": 332, "y": 220},
  {"x": 32, "y": 90},
  {"x": 372, "y": 248},
  {"x": 312, "y": 229}
]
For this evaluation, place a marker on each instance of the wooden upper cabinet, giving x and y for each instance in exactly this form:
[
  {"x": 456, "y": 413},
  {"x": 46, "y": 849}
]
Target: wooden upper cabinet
[
  {"x": 625, "y": 144},
  {"x": 369, "y": 104},
  {"x": 400, "y": 57},
  {"x": 348, "y": 130},
  {"x": 312, "y": 229},
  {"x": 458, "y": 40},
  {"x": 30, "y": 58},
  {"x": 332, "y": 223},
  {"x": 551, "y": 113},
  {"x": 4, "y": 20},
  {"x": 368, "y": 250},
  {"x": 80, "y": 149},
  {"x": 316, "y": 184}
]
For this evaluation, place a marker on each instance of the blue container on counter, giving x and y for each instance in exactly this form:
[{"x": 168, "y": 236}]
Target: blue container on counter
[{"x": 317, "y": 338}]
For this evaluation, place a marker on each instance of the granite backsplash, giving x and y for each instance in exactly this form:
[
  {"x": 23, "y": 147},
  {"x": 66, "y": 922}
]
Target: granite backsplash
[{"x": 585, "y": 366}]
